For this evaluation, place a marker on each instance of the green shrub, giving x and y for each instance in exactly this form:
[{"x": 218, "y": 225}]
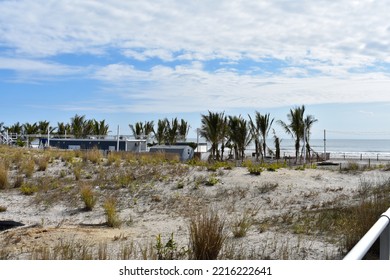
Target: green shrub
[
  {"x": 255, "y": 169},
  {"x": 169, "y": 250},
  {"x": 28, "y": 189},
  {"x": 212, "y": 181}
]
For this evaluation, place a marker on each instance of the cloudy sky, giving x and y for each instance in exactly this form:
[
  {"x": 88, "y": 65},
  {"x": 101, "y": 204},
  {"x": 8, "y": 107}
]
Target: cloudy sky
[{"x": 129, "y": 61}]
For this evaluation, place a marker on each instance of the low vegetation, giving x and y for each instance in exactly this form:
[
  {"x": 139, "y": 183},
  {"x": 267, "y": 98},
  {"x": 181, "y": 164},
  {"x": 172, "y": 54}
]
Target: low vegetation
[
  {"x": 3, "y": 176},
  {"x": 52, "y": 177},
  {"x": 88, "y": 196},
  {"x": 207, "y": 235},
  {"x": 110, "y": 210}
]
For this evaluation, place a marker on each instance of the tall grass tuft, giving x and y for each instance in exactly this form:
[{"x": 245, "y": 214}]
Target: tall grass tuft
[
  {"x": 241, "y": 225},
  {"x": 88, "y": 196},
  {"x": 42, "y": 163},
  {"x": 28, "y": 167},
  {"x": 77, "y": 171},
  {"x": 94, "y": 156},
  {"x": 3, "y": 176},
  {"x": 112, "y": 218},
  {"x": 207, "y": 235}
]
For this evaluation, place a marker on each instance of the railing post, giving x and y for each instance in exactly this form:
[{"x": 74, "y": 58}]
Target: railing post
[{"x": 384, "y": 253}]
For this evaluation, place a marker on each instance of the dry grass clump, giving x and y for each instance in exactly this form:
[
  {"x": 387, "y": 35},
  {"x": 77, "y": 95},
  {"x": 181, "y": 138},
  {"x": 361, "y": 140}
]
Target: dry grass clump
[
  {"x": 241, "y": 225},
  {"x": 114, "y": 158},
  {"x": 207, "y": 235},
  {"x": 28, "y": 167},
  {"x": 18, "y": 182},
  {"x": 112, "y": 219},
  {"x": 88, "y": 196},
  {"x": 350, "y": 222},
  {"x": 42, "y": 163},
  {"x": 77, "y": 169},
  {"x": 94, "y": 156},
  {"x": 3, "y": 176},
  {"x": 64, "y": 250}
]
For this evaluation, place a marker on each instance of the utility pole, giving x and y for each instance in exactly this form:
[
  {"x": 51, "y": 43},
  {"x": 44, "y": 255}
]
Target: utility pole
[
  {"x": 325, "y": 144},
  {"x": 117, "y": 140},
  {"x": 48, "y": 135}
]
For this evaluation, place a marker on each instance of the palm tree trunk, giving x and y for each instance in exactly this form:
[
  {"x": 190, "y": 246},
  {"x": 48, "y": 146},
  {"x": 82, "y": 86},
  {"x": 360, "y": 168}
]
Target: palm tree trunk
[{"x": 297, "y": 144}]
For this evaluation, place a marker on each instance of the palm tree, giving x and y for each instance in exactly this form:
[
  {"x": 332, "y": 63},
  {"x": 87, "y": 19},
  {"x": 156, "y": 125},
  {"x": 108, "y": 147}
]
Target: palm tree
[
  {"x": 183, "y": 130},
  {"x": 161, "y": 131},
  {"x": 264, "y": 124},
  {"x": 100, "y": 128},
  {"x": 255, "y": 133},
  {"x": 211, "y": 130},
  {"x": 138, "y": 130},
  {"x": 224, "y": 134},
  {"x": 88, "y": 128},
  {"x": 63, "y": 129},
  {"x": 44, "y": 127},
  {"x": 308, "y": 123},
  {"x": 239, "y": 135},
  {"x": 15, "y": 128},
  {"x": 148, "y": 129},
  {"x": 297, "y": 126},
  {"x": 260, "y": 129},
  {"x": 30, "y": 129},
  {"x": 77, "y": 124},
  {"x": 277, "y": 145},
  {"x": 172, "y": 130}
]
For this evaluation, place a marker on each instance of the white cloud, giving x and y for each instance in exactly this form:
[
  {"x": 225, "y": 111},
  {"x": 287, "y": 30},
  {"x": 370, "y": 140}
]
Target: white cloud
[
  {"x": 320, "y": 42},
  {"x": 190, "y": 88},
  {"x": 339, "y": 32},
  {"x": 29, "y": 70}
]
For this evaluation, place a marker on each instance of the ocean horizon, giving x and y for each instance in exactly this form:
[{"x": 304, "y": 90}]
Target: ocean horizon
[{"x": 338, "y": 148}]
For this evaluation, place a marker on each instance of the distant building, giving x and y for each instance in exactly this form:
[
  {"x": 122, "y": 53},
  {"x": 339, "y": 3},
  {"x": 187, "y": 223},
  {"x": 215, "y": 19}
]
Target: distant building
[
  {"x": 128, "y": 145},
  {"x": 184, "y": 152}
]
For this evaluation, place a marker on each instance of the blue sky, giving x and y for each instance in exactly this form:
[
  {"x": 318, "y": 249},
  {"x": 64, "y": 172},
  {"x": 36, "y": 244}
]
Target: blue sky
[{"x": 130, "y": 61}]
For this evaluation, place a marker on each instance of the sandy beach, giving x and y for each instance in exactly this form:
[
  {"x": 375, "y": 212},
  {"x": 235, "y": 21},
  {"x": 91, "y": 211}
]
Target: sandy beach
[{"x": 274, "y": 202}]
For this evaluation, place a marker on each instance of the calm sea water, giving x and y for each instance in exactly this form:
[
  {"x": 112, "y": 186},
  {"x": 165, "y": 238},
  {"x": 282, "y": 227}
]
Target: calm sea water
[
  {"x": 349, "y": 148},
  {"x": 338, "y": 148}
]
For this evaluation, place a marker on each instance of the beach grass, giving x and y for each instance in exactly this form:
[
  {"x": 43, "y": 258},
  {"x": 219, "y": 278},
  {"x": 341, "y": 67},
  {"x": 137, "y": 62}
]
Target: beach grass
[
  {"x": 207, "y": 235},
  {"x": 143, "y": 179}
]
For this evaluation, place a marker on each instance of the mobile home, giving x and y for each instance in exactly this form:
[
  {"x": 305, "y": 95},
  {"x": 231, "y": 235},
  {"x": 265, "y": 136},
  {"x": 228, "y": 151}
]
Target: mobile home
[{"x": 184, "y": 152}]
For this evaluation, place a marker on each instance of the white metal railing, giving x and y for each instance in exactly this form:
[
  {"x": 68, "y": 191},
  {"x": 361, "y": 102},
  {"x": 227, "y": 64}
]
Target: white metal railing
[{"x": 380, "y": 229}]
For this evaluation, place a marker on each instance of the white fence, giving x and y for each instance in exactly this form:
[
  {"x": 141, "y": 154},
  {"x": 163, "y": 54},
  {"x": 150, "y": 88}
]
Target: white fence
[{"x": 380, "y": 229}]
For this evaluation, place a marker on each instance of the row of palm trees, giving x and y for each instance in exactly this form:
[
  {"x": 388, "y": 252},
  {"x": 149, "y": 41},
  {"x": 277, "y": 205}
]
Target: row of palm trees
[
  {"x": 79, "y": 127},
  {"x": 223, "y": 132},
  {"x": 167, "y": 132},
  {"x": 236, "y": 133}
]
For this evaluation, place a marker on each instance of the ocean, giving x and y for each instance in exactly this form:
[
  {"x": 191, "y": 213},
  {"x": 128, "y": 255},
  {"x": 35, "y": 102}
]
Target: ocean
[
  {"x": 374, "y": 149},
  {"x": 377, "y": 149}
]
